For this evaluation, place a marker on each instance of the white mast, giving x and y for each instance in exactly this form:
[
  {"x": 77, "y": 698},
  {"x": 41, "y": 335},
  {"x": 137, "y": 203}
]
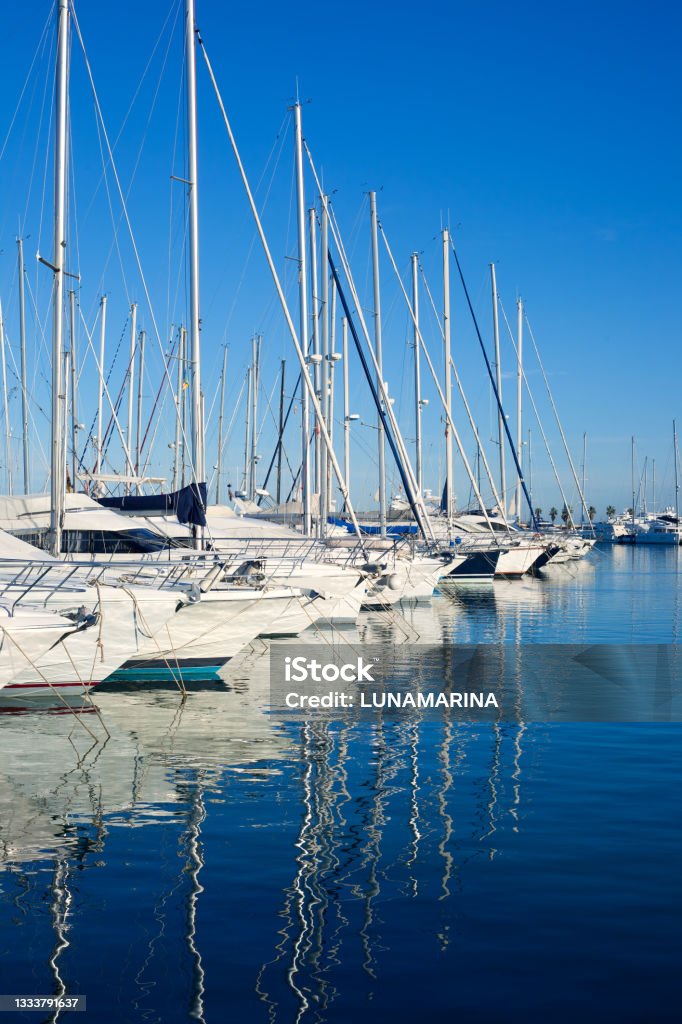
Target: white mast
[
  {"x": 255, "y": 384},
  {"x": 194, "y": 342},
  {"x": 584, "y": 475},
  {"x": 498, "y": 381},
  {"x": 140, "y": 384},
  {"x": 247, "y": 437},
  {"x": 519, "y": 396},
  {"x": 100, "y": 393},
  {"x": 8, "y": 452},
  {"x": 131, "y": 378},
  {"x": 379, "y": 359},
  {"x": 449, "y": 476},
  {"x": 653, "y": 486},
  {"x": 314, "y": 317},
  {"x": 632, "y": 473},
  {"x": 346, "y": 405},
  {"x": 417, "y": 372},
  {"x": 73, "y": 365},
  {"x": 182, "y": 369},
  {"x": 325, "y": 366},
  {"x": 220, "y": 427},
  {"x": 303, "y": 307},
  {"x": 57, "y": 446},
  {"x": 65, "y": 408},
  {"x": 22, "y": 342},
  {"x": 677, "y": 485},
  {"x": 178, "y": 410},
  {"x": 280, "y": 435}
]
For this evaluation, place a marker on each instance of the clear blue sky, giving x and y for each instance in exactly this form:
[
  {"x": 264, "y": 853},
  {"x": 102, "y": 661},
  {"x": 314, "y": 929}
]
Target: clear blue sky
[{"x": 546, "y": 135}]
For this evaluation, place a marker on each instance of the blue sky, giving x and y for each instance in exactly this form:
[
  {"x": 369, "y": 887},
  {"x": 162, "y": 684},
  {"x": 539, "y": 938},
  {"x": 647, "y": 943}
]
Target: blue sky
[{"x": 546, "y": 136}]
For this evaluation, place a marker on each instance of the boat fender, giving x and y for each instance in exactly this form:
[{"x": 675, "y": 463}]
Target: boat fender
[{"x": 394, "y": 581}]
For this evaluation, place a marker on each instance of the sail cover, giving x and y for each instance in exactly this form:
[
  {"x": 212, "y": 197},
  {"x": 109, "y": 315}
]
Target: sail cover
[{"x": 189, "y": 504}]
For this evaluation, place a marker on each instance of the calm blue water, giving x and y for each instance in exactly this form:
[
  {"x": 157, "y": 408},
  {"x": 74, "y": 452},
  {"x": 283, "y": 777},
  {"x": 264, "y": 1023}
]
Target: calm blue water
[{"x": 202, "y": 862}]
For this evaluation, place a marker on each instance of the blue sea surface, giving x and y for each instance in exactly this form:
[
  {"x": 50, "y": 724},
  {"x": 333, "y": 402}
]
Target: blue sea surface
[{"x": 202, "y": 861}]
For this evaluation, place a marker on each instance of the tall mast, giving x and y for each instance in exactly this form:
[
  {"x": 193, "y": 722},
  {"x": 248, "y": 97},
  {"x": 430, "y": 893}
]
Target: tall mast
[
  {"x": 73, "y": 365},
  {"x": 198, "y": 463},
  {"x": 8, "y": 452},
  {"x": 346, "y": 405},
  {"x": 255, "y": 383},
  {"x": 131, "y": 378},
  {"x": 65, "y": 409},
  {"x": 100, "y": 391},
  {"x": 582, "y": 510},
  {"x": 303, "y": 308},
  {"x": 677, "y": 484},
  {"x": 519, "y": 399},
  {"x": 57, "y": 446},
  {"x": 449, "y": 481},
  {"x": 333, "y": 358},
  {"x": 379, "y": 359},
  {"x": 325, "y": 364},
  {"x": 632, "y": 476},
  {"x": 247, "y": 437},
  {"x": 22, "y": 342},
  {"x": 178, "y": 409},
  {"x": 280, "y": 435},
  {"x": 417, "y": 372},
  {"x": 315, "y": 324},
  {"x": 498, "y": 380},
  {"x": 140, "y": 384},
  {"x": 220, "y": 427},
  {"x": 653, "y": 486},
  {"x": 183, "y": 403}
]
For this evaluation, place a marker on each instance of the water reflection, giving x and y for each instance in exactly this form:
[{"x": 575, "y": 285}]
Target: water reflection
[
  {"x": 165, "y": 855},
  {"x": 407, "y": 828}
]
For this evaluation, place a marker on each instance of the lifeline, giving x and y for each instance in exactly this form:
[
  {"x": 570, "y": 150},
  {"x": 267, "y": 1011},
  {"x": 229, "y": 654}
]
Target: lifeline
[{"x": 428, "y": 700}]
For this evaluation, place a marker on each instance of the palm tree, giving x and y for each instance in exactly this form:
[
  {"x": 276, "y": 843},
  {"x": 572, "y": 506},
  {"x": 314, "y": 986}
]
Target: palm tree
[
  {"x": 610, "y": 511},
  {"x": 566, "y": 514},
  {"x": 591, "y": 512},
  {"x": 553, "y": 513}
]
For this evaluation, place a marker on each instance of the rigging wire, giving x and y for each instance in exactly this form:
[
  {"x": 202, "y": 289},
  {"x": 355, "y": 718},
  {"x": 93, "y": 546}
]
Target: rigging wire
[
  {"x": 561, "y": 429},
  {"x": 472, "y": 423},
  {"x": 116, "y": 221},
  {"x": 280, "y": 138},
  {"x": 126, "y": 217},
  {"x": 228, "y": 434},
  {"x": 43, "y": 34},
  {"x": 136, "y": 94},
  {"x": 537, "y": 416},
  {"x": 14, "y": 370},
  {"x": 37, "y": 148}
]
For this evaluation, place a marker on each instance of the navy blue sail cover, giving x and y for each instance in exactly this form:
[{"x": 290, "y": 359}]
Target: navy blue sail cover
[{"x": 189, "y": 504}]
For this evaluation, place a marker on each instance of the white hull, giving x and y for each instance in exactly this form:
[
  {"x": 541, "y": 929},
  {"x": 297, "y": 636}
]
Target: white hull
[
  {"x": 25, "y": 636},
  {"x": 124, "y": 619},
  {"x": 413, "y": 580},
  {"x": 520, "y": 560},
  {"x": 218, "y": 626}
]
